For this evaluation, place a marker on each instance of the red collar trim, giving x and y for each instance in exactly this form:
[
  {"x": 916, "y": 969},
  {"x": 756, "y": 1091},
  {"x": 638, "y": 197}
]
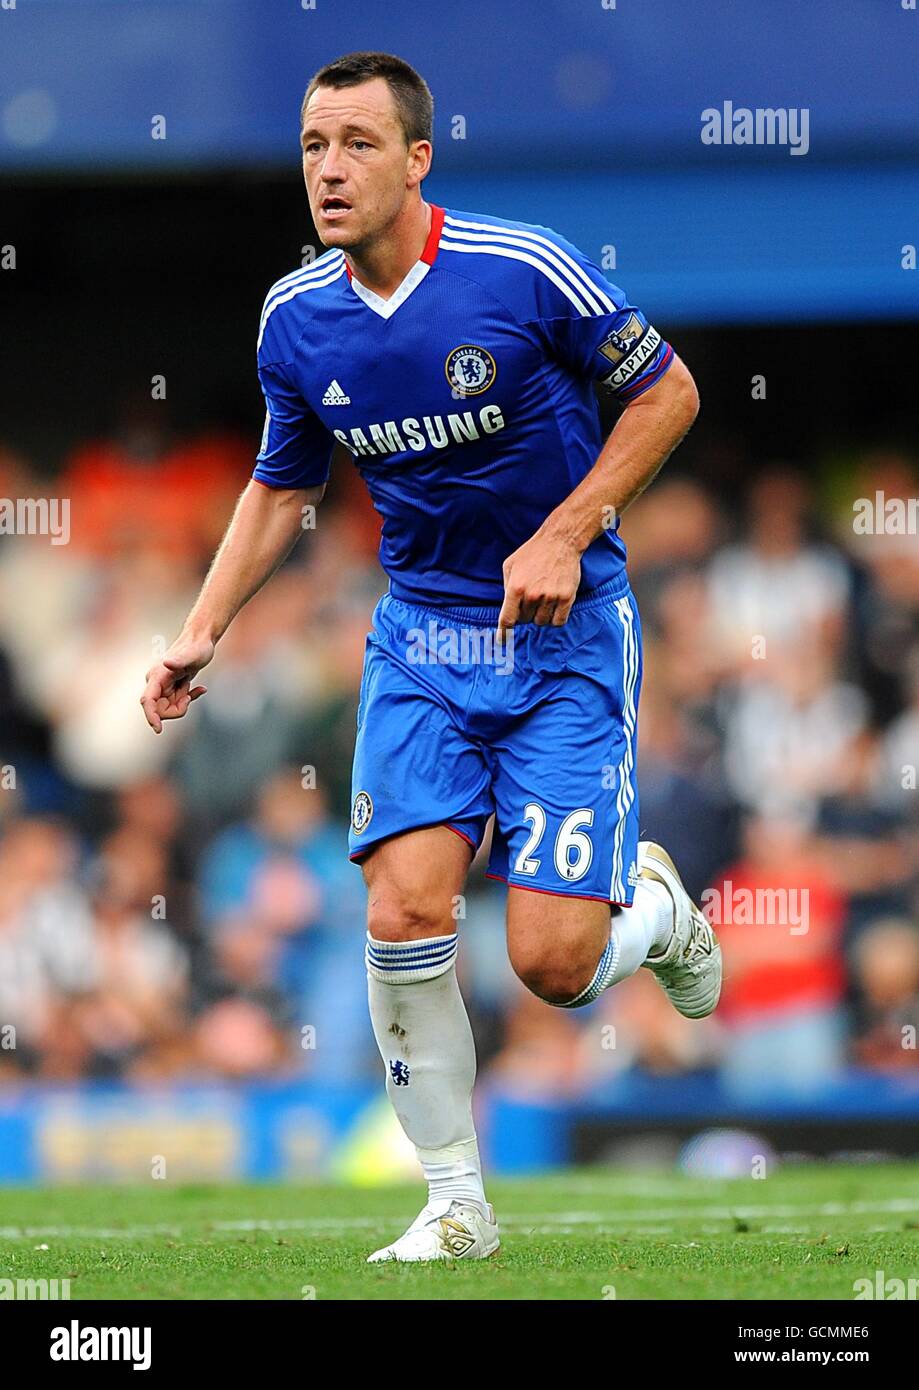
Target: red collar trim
[
  {"x": 429, "y": 254},
  {"x": 437, "y": 225}
]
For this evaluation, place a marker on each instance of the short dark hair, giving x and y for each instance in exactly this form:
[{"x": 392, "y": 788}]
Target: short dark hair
[{"x": 412, "y": 95}]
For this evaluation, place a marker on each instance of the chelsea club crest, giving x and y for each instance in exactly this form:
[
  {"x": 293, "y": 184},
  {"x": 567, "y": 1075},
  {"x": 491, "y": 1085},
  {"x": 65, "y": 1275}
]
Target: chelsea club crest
[
  {"x": 470, "y": 370},
  {"x": 361, "y": 813}
]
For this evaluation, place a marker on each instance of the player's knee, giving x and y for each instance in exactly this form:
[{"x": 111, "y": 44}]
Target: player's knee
[
  {"x": 553, "y": 978},
  {"x": 393, "y": 916}
]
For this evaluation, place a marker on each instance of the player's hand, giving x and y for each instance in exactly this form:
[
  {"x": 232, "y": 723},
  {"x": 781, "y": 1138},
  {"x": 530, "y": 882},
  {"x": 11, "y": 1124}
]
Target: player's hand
[
  {"x": 169, "y": 690},
  {"x": 540, "y": 583}
]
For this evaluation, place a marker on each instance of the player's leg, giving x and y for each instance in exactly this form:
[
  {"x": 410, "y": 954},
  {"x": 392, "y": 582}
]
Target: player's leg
[
  {"x": 418, "y": 1015},
  {"x": 588, "y": 905},
  {"x": 569, "y": 950},
  {"x": 423, "y": 1034},
  {"x": 415, "y": 774}
]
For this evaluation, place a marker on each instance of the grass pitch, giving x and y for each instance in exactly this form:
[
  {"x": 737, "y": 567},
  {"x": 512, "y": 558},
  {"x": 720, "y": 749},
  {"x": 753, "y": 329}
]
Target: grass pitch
[{"x": 806, "y": 1232}]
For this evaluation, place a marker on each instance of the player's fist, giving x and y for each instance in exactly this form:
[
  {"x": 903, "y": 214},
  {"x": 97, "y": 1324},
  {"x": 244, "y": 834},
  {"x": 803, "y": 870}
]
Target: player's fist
[
  {"x": 540, "y": 583},
  {"x": 169, "y": 691}
]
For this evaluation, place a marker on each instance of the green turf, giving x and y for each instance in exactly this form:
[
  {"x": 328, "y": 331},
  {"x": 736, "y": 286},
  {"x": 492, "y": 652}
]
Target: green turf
[{"x": 805, "y": 1232}]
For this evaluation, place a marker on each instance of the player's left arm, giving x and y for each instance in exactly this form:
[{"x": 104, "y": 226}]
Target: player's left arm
[
  {"x": 541, "y": 578},
  {"x": 586, "y": 323}
]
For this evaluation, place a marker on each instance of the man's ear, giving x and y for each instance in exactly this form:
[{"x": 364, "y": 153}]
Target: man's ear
[{"x": 420, "y": 158}]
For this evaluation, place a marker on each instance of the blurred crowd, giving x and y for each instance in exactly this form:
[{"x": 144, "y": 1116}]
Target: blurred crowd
[{"x": 183, "y": 906}]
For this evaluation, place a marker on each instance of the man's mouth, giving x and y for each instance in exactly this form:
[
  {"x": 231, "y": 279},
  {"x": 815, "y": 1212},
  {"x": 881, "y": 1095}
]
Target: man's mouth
[{"x": 333, "y": 207}]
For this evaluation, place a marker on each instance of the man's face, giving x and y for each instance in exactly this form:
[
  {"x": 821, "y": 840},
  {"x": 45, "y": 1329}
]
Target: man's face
[{"x": 356, "y": 164}]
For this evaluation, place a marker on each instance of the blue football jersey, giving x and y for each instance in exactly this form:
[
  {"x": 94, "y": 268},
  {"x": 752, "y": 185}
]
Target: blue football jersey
[{"x": 466, "y": 399}]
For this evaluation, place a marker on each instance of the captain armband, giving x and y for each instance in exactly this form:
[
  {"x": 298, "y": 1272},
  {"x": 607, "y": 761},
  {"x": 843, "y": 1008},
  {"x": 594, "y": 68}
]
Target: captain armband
[{"x": 630, "y": 350}]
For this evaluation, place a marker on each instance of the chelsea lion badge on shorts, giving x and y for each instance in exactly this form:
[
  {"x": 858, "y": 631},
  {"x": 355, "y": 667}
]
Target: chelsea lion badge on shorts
[
  {"x": 470, "y": 370},
  {"x": 361, "y": 813}
]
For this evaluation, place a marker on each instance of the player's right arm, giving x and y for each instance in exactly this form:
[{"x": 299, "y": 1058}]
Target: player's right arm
[
  {"x": 264, "y": 528},
  {"x": 290, "y": 474}
]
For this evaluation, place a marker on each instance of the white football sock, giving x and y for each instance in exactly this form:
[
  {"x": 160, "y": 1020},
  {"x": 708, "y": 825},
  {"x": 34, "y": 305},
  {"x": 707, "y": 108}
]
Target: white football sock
[
  {"x": 644, "y": 928},
  {"x": 635, "y": 932},
  {"x": 423, "y": 1033}
]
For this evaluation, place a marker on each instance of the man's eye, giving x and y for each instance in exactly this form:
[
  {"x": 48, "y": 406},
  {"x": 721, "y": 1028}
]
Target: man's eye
[
  {"x": 360, "y": 144},
  {"x": 312, "y": 147}
]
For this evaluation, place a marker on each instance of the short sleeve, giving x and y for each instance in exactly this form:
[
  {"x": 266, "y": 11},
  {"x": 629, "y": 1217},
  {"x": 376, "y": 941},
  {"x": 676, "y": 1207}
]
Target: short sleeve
[
  {"x": 296, "y": 449},
  {"x": 588, "y": 324}
]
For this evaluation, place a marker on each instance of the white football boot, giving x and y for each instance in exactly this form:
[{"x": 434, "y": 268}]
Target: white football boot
[
  {"x": 446, "y": 1230},
  {"x": 689, "y": 970}
]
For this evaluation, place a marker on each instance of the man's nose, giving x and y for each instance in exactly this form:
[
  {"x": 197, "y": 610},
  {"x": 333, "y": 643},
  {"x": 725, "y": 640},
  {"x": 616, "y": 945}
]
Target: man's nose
[{"x": 332, "y": 170}]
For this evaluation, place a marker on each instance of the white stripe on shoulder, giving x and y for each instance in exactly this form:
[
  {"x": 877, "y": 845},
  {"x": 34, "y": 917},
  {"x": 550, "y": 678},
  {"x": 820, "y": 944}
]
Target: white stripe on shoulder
[
  {"x": 318, "y": 267},
  {"x": 480, "y": 249},
  {"x": 511, "y": 239},
  {"x": 307, "y": 280},
  {"x": 579, "y": 275}
]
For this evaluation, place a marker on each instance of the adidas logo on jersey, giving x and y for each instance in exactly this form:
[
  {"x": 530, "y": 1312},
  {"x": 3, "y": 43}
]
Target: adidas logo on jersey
[{"x": 335, "y": 395}]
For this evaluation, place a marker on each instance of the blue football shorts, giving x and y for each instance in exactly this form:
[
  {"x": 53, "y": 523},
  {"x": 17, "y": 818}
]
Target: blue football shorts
[{"x": 453, "y": 727}]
